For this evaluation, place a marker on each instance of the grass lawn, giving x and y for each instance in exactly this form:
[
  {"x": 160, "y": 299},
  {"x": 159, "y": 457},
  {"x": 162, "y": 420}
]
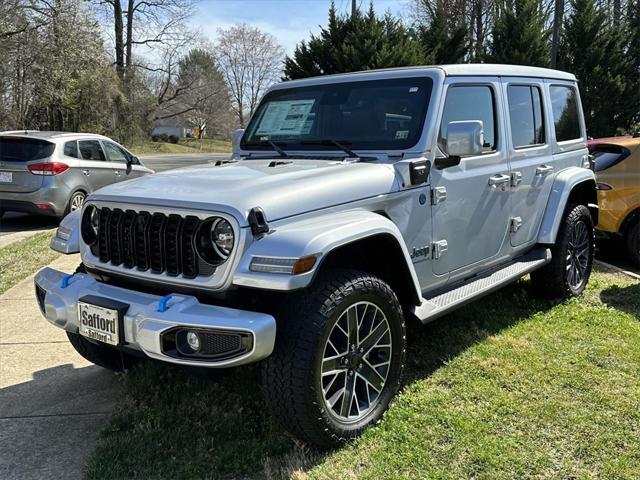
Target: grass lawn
[
  {"x": 185, "y": 145},
  {"x": 20, "y": 259},
  {"x": 509, "y": 387}
]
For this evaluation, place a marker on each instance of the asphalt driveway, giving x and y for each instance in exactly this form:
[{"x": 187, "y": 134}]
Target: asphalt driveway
[{"x": 53, "y": 403}]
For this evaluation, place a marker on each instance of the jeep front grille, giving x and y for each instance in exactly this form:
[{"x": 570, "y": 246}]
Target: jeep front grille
[{"x": 155, "y": 242}]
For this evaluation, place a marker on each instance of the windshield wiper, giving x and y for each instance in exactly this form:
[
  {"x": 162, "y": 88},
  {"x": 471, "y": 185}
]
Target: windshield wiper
[
  {"x": 272, "y": 144},
  {"x": 331, "y": 141}
]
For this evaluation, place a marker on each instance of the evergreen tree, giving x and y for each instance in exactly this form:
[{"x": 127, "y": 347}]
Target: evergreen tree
[
  {"x": 594, "y": 51},
  {"x": 519, "y": 36},
  {"x": 361, "y": 41},
  {"x": 442, "y": 44},
  {"x": 633, "y": 54}
]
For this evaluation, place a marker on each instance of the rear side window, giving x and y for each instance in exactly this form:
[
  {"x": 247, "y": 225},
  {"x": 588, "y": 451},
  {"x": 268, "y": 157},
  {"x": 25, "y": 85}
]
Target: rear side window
[
  {"x": 525, "y": 115},
  {"x": 71, "y": 149},
  {"x": 608, "y": 156},
  {"x": 91, "y": 150},
  {"x": 466, "y": 103},
  {"x": 564, "y": 103},
  {"x": 24, "y": 149}
]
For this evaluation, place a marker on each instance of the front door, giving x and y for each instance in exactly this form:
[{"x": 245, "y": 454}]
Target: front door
[{"x": 474, "y": 218}]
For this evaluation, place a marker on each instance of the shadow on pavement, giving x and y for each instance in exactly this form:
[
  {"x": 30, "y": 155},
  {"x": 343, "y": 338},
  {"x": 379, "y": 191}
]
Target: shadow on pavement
[
  {"x": 50, "y": 424},
  {"x": 12, "y": 222}
]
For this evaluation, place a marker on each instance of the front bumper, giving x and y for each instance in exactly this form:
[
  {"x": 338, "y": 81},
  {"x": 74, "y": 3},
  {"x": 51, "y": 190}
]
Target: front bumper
[{"x": 145, "y": 325}]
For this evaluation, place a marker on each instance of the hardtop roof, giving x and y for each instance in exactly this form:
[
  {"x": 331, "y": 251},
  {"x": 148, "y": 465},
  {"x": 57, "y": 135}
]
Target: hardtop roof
[{"x": 48, "y": 135}]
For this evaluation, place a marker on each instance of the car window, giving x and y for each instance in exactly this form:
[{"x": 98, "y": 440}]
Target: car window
[
  {"x": 607, "y": 156},
  {"x": 564, "y": 104},
  {"x": 525, "y": 115},
  {"x": 71, "y": 149},
  {"x": 24, "y": 149},
  {"x": 91, "y": 150},
  {"x": 114, "y": 152},
  {"x": 465, "y": 103}
]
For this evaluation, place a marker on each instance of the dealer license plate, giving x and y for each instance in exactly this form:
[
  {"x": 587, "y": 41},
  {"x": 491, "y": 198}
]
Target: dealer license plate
[
  {"x": 99, "y": 323},
  {"x": 6, "y": 177}
]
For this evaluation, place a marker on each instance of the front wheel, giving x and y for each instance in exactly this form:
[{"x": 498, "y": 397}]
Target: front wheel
[
  {"x": 338, "y": 359},
  {"x": 76, "y": 201},
  {"x": 572, "y": 257}
]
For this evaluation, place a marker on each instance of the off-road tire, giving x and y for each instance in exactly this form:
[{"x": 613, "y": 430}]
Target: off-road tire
[
  {"x": 291, "y": 376},
  {"x": 633, "y": 244},
  {"x": 102, "y": 355},
  {"x": 552, "y": 280}
]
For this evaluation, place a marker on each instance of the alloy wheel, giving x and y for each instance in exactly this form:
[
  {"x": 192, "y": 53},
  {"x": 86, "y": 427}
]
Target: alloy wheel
[
  {"x": 356, "y": 362},
  {"x": 578, "y": 250},
  {"x": 76, "y": 202}
]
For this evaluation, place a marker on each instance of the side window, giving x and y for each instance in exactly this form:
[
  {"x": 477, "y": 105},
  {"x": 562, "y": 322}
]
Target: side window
[
  {"x": 114, "y": 152},
  {"x": 71, "y": 149},
  {"x": 564, "y": 103},
  {"x": 525, "y": 115},
  {"x": 470, "y": 103},
  {"x": 608, "y": 156},
  {"x": 91, "y": 150}
]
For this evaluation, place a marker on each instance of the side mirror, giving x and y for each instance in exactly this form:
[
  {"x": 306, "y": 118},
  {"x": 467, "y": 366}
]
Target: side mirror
[
  {"x": 465, "y": 139},
  {"x": 135, "y": 160},
  {"x": 237, "y": 136}
]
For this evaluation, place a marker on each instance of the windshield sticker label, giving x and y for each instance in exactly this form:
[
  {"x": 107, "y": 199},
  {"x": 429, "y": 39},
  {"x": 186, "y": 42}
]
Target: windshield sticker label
[
  {"x": 402, "y": 134},
  {"x": 289, "y": 117}
]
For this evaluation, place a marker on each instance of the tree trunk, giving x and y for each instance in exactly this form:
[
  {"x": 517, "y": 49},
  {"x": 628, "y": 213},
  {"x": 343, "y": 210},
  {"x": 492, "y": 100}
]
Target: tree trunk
[
  {"x": 117, "y": 21},
  {"x": 558, "y": 14},
  {"x": 129, "y": 39},
  {"x": 479, "y": 30}
]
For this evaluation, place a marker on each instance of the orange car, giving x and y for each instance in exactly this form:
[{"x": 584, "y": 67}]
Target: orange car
[{"x": 617, "y": 167}]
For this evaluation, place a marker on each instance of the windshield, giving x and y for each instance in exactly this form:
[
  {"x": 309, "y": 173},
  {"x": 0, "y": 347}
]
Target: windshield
[{"x": 365, "y": 115}]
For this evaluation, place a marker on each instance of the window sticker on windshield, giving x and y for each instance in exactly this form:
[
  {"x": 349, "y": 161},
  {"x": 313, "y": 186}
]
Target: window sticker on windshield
[
  {"x": 413, "y": 89},
  {"x": 402, "y": 134},
  {"x": 289, "y": 117}
]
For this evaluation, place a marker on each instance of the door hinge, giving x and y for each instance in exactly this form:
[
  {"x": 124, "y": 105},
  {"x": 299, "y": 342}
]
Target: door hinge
[
  {"x": 438, "y": 195},
  {"x": 516, "y": 178},
  {"x": 516, "y": 223},
  {"x": 439, "y": 249}
]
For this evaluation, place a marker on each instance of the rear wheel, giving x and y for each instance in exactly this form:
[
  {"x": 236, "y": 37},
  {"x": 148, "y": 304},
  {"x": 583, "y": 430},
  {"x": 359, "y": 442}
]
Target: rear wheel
[
  {"x": 76, "y": 201},
  {"x": 572, "y": 257},
  {"x": 338, "y": 358},
  {"x": 101, "y": 355},
  {"x": 633, "y": 244}
]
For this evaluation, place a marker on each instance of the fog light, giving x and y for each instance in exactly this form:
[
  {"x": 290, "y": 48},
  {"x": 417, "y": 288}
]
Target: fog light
[{"x": 193, "y": 339}]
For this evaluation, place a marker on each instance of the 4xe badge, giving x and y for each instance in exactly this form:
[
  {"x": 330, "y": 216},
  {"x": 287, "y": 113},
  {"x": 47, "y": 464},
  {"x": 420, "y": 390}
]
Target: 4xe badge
[{"x": 420, "y": 252}]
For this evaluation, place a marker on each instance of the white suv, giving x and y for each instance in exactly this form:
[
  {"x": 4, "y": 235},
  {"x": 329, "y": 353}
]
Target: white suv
[{"x": 352, "y": 204}]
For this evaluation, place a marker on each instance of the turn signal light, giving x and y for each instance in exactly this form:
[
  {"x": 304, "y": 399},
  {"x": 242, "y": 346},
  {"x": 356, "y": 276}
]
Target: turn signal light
[{"x": 48, "y": 168}]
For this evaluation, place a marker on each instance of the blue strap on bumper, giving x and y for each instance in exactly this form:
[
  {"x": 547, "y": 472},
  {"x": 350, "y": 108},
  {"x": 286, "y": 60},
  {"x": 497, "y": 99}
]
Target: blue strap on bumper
[
  {"x": 65, "y": 280},
  {"x": 163, "y": 303}
]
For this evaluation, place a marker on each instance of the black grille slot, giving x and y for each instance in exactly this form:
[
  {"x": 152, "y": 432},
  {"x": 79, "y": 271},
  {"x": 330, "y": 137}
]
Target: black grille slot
[
  {"x": 220, "y": 343},
  {"x": 160, "y": 243},
  {"x": 172, "y": 244},
  {"x": 128, "y": 244},
  {"x": 115, "y": 236},
  {"x": 189, "y": 256},
  {"x": 156, "y": 242},
  {"x": 141, "y": 239}
]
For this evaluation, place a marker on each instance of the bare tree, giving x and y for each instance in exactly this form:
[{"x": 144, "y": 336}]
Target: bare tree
[
  {"x": 250, "y": 60},
  {"x": 558, "y": 15}
]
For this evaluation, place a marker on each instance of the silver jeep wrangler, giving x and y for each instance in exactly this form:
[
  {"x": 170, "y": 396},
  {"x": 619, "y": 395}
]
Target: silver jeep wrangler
[{"x": 351, "y": 205}]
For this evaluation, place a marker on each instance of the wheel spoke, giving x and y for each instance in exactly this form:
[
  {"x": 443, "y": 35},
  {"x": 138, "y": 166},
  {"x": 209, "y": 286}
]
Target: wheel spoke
[
  {"x": 374, "y": 337},
  {"x": 333, "y": 365},
  {"x": 371, "y": 376},
  {"x": 347, "y": 398},
  {"x": 352, "y": 325}
]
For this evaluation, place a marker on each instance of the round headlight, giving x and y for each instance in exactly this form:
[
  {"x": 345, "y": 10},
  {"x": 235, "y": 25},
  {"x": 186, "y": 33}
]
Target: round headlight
[
  {"x": 222, "y": 236},
  {"x": 90, "y": 224},
  {"x": 214, "y": 240}
]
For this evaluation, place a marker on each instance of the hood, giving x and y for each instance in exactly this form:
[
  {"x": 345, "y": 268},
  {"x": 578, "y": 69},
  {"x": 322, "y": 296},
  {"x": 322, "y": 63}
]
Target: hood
[{"x": 284, "y": 189}]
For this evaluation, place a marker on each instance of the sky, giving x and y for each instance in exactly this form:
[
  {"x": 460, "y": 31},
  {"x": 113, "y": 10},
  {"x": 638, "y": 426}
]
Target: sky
[{"x": 290, "y": 21}]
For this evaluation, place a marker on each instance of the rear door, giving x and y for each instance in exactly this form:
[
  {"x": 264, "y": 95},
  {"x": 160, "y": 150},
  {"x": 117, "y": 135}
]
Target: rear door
[
  {"x": 530, "y": 156},
  {"x": 16, "y": 154},
  {"x": 94, "y": 165}
]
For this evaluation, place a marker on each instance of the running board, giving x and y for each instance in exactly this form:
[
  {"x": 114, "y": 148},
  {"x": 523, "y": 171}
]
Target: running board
[{"x": 441, "y": 302}]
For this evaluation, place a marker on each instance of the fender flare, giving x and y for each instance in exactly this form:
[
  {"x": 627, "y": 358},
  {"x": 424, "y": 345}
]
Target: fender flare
[
  {"x": 564, "y": 183},
  {"x": 67, "y": 237},
  {"x": 320, "y": 236}
]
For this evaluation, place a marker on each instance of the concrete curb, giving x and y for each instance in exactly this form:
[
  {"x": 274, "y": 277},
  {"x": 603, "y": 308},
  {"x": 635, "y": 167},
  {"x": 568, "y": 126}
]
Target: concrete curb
[{"x": 617, "y": 269}]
